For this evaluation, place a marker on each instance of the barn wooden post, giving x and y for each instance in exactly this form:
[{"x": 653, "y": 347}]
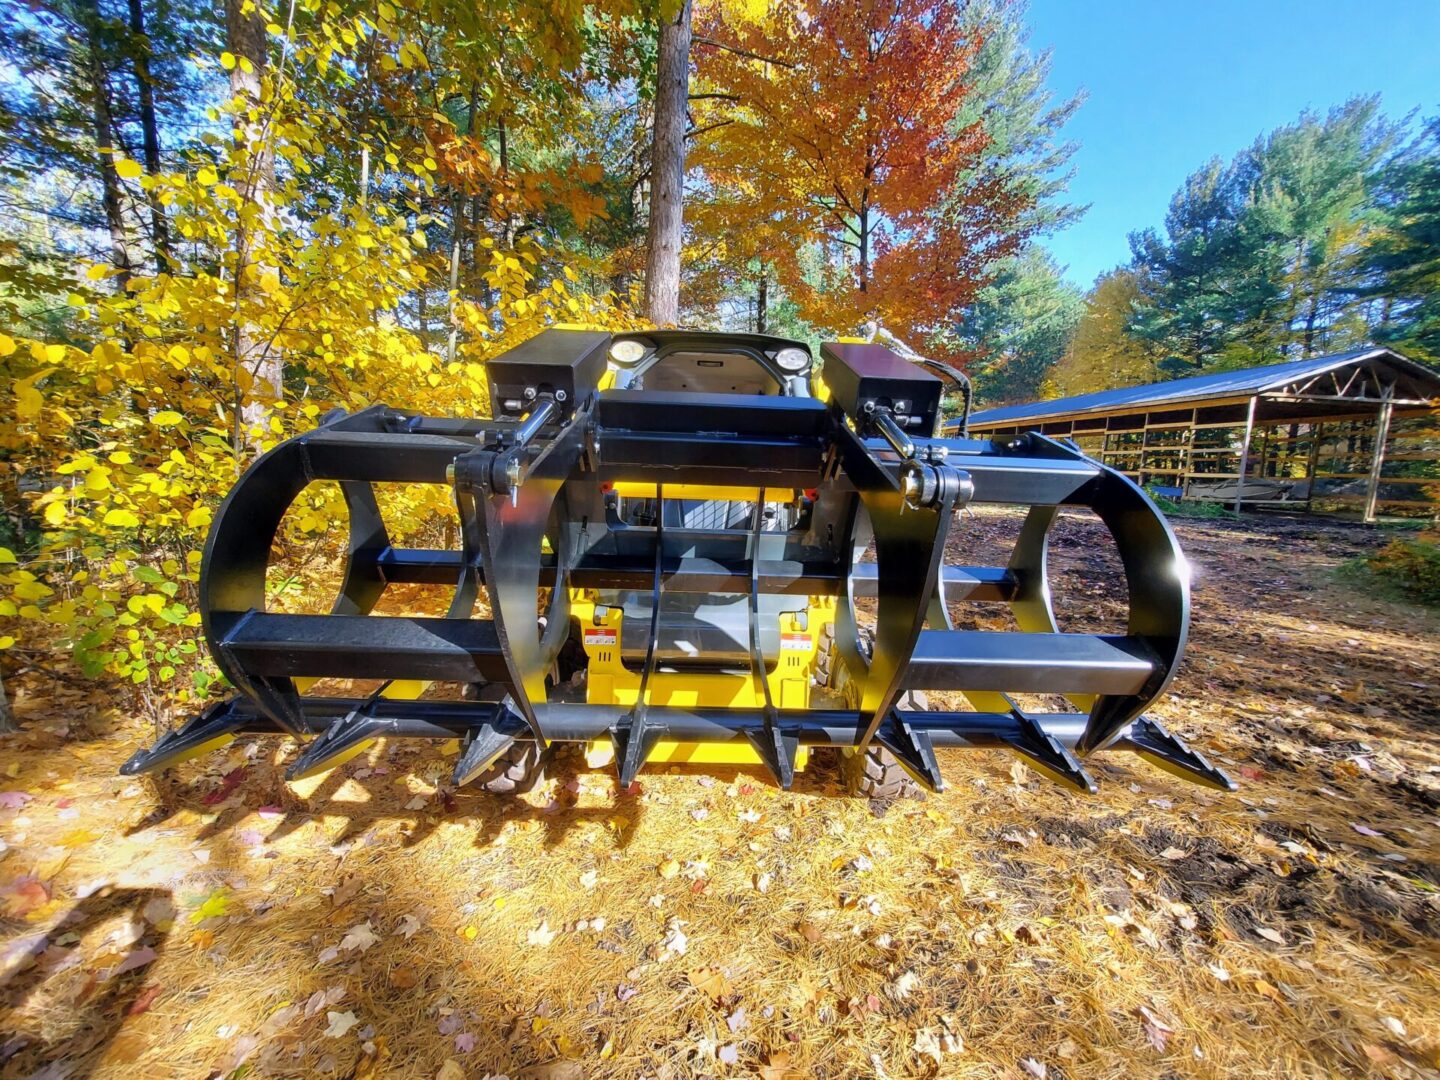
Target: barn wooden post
[
  {"x": 1245, "y": 453},
  {"x": 1377, "y": 454}
]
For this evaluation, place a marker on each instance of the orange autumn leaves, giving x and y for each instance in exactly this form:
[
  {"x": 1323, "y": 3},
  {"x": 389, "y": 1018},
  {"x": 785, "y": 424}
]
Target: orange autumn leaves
[{"x": 843, "y": 123}]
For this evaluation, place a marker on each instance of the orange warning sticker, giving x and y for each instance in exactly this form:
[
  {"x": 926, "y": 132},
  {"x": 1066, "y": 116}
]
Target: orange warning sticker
[{"x": 797, "y": 642}]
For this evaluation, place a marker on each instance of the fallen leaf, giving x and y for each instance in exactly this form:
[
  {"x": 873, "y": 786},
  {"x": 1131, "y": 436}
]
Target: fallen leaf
[
  {"x": 214, "y": 906},
  {"x": 1156, "y": 1030},
  {"x": 904, "y": 986},
  {"x": 1365, "y": 830},
  {"x": 409, "y": 925},
  {"x": 404, "y": 978},
  {"x": 1174, "y": 854},
  {"x": 810, "y": 932},
  {"x": 340, "y": 1023},
  {"x": 710, "y": 981},
  {"x": 228, "y": 783},
  {"x": 451, "y": 1070},
  {"x": 24, "y": 895},
  {"x": 588, "y": 879},
  {"x": 736, "y": 1021},
  {"x": 15, "y": 800},
  {"x": 927, "y": 1041},
  {"x": 541, "y": 936},
  {"x": 1035, "y": 1068},
  {"x": 359, "y": 937},
  {"x": 1270, "y": 991},
  {"x": 137, "y": 959},
  {"x": 729, "y": 1054},
  {"x": 669, "y": 868},
  {"x": 145, "y": 999},
  {"x": 1394, "y": 1026},
  {"x": 464, "y": 1043},
  {"x": 675, "y": 940},
  {"x": 777, "y": 1067},
  {"x": 1219, "y": 972},
  {"x": 559, "y": 1069},
  {"x": 1270, "y": 935}
]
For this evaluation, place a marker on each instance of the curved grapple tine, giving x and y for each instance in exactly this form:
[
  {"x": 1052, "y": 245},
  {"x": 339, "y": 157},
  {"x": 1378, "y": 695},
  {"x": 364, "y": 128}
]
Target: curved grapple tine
[
  {"x": 1045, "y": 754},
  {"x": 481, "y": 748},
  {"x": 212, "y": 729},
  {"x": 1157, "y": 745}
]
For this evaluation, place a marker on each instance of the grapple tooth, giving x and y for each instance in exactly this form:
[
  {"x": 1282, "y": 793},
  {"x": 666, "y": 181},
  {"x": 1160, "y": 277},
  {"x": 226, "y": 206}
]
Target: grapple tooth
[
  {"x": 481, "y": 747},
  {"x": 342, "y": 741},
  {"x": 1047, "y": 756},
  {"x": 913, "y": 750},
  {"x": 212, "y": 729},
  {"x": 777, "y": 748},
  {"x": 1165, "y": 750},
  {"x": 633, "y": 743}
]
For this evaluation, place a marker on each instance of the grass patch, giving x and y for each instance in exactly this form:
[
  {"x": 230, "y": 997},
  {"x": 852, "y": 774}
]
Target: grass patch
[{"x": 1181, "y": 509}]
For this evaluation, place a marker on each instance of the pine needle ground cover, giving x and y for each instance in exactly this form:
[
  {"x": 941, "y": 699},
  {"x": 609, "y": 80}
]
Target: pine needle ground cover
[{"x": 373, "y": 923}]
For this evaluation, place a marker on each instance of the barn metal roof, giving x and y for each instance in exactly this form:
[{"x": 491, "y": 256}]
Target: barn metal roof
[{"x": 1225, "y": 385}]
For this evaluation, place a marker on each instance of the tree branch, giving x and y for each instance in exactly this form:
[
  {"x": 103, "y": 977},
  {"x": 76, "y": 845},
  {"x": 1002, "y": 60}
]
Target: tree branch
[{"x": 739, "y": 51}]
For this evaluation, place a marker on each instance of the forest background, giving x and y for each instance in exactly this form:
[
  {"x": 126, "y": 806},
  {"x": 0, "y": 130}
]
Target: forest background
[{"x": 222, "y": 220}]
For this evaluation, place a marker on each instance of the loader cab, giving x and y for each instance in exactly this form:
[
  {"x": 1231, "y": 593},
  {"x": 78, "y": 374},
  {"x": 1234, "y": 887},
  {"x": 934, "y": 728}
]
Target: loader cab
[{"x": 701, "y": 362}]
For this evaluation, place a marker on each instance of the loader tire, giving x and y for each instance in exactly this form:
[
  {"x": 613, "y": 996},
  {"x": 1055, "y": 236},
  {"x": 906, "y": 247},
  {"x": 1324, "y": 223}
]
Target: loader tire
[
  {"x": 520, "y": 769},
  {"x": 876, "y": 774}
]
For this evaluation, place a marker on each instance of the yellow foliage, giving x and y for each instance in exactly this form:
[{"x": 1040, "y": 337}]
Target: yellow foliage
[{"x": 123, "y": 449}]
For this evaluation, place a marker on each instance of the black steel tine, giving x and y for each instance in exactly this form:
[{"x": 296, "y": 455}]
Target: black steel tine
[
  {"x": 912, "y": 749},
  {"x": 341, "y": 741},
  {"x": 633, "y": 744},
  {"x": 280, "y": 701},
  {"x": 633, "y": 740},
  {"x": 481, "y": 747},
  {"x": 210, "y": 730},
  {"x": 1165, "y": 750},
  {"x": 1045, "y": 755},
  {"x": 777, "y": 748}
]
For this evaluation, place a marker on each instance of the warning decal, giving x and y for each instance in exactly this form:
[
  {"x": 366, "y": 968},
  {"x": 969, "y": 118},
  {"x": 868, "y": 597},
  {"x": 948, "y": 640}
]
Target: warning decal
[
  {"x": 602, "y": 637},
  {"x": 797, "y": 642}
]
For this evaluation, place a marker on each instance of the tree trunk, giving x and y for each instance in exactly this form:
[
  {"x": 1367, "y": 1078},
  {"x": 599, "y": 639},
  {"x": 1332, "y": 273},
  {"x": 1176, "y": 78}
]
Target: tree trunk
[
  {"x": 864, "y": 248},
  {"x": 457, "y": 217},
  {"x": 110, "y": 190},
  {"x": 245, "y": 38},
  {"x": 150, "y": 130},
  {"x": 7, "y": 718},
  {"x": 762, "y": 299},
  {"x": 1310, "y": 316},
  {"x": 667, "y": 172}
]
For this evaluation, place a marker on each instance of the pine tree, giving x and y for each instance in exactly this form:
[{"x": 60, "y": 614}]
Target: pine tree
[
  {"x": 1018, "y": 328},
  {"x": 1404, "y": 260}
]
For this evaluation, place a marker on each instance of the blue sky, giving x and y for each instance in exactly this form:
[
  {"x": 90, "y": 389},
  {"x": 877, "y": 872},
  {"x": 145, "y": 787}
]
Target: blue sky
[{"x": 1173, "y": 82}]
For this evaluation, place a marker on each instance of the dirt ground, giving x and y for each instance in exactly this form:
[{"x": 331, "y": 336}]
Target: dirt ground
[{"x": 374, "y": 923}]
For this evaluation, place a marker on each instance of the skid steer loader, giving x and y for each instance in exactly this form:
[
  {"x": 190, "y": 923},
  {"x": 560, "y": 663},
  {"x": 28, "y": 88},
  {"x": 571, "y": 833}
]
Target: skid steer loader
[{"x": 667, "y": 533}]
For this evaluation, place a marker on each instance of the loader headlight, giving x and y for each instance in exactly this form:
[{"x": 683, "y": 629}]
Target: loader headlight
[
  {"x": 792, "y": 360},
  {"x": 627, "y": 351}
]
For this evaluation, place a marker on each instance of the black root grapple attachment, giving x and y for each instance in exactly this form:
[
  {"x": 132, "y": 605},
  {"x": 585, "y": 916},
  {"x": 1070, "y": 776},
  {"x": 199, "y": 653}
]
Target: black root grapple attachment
[{"x": 542, "y": 524}]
